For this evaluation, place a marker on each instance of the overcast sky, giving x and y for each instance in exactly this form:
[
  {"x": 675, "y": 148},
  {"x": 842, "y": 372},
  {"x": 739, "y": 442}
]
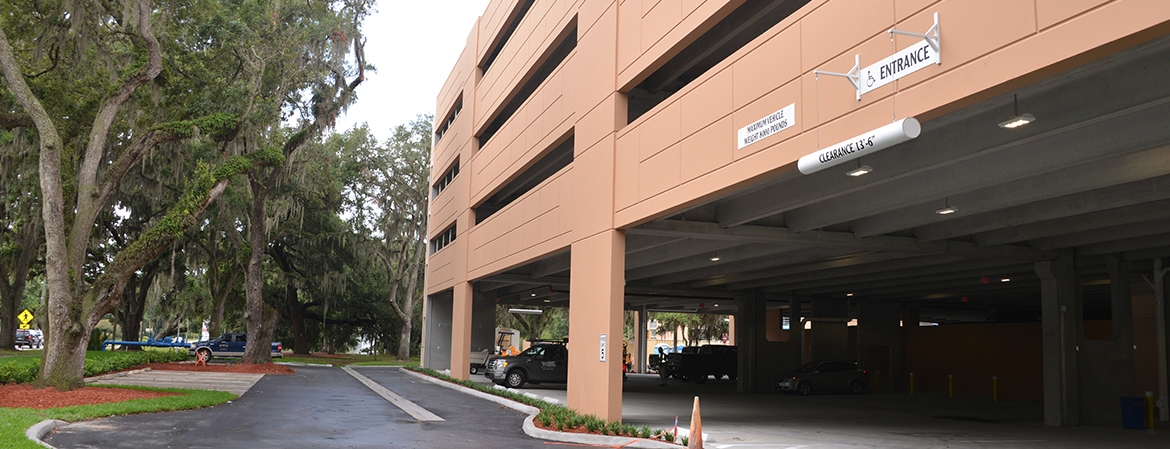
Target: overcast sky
[{"x": 414, "y": 45}]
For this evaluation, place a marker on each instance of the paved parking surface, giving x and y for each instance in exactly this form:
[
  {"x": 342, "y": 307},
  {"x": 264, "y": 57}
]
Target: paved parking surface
[
  {"x": 235, "y": 383},
  {"x": 317, "y": 407},
  {"x": 883, "y": 420}
]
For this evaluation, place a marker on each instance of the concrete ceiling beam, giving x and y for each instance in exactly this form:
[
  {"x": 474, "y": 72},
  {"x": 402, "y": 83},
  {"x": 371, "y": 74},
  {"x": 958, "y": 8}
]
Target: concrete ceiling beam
[{"x": 1133, "y": 202}]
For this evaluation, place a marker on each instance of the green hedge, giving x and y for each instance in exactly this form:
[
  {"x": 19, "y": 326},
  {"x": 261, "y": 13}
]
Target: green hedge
[
  {"x": 19, "y": 370},
  {"x": 553, "y": 415}
]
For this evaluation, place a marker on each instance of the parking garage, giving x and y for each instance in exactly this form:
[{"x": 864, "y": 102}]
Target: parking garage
[{"x": 1026, "y": 262}]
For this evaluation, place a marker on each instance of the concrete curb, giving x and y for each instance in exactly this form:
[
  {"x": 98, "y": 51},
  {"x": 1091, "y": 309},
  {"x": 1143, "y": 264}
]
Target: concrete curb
[
  {"x": 39, "y": 430},
  {"x": 93, "y": 379},
  {"x": 531, "y": 430}
]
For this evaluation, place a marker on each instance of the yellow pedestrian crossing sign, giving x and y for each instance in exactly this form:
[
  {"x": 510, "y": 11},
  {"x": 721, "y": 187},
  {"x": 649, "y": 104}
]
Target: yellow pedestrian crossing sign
[{"x": 25, "y": 317}]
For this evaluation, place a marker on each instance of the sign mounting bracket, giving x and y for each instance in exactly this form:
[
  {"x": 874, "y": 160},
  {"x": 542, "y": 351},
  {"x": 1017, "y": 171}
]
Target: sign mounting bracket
[
  {"x": 853, "y": 75},
  {"x": 932, "y": 36}
]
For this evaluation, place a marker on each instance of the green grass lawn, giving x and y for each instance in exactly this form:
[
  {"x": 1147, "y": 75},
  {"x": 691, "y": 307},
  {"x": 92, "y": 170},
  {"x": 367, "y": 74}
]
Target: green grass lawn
[
  {"x": 15, "y": 421},
  {"x": 317, "y": 358}
]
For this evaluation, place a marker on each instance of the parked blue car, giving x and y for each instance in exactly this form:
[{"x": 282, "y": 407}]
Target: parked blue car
[{"x": 230, "y": 344}]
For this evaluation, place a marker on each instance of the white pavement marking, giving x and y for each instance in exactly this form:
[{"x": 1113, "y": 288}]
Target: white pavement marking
[{"x": 413, "y": 409}]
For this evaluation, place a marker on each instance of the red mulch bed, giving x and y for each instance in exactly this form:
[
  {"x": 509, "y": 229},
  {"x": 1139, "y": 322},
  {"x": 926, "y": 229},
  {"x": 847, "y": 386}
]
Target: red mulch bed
[
  {"x": 249, "y": 368},
  {"x": 25, "y": 396}
]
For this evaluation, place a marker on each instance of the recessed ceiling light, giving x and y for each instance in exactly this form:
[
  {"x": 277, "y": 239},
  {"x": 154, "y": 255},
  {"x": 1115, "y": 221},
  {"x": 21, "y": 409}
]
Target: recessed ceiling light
[
  {"x": 533, "y": 294},
  {"x": 715, "y": 259},
  {"x": 716, "y": 305},
  {"x": 859, "y": 171},
  {"x": 1006, "y": 280},
  {"x": 947, "y": 210},
  {"x": 548, "y": 300},
  {"x": 848, "y": 294},
  {"x": 1017, "y": 121}
]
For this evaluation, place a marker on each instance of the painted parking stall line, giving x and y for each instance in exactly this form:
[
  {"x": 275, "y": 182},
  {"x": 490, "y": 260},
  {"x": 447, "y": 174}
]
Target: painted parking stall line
[{"x": 419, "y": 413}]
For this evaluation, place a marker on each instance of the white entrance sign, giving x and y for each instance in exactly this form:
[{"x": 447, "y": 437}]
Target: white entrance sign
[
  {"x": 602, "y": 347},
  {"x": 767, "y": 126},
  {"x": 905, "y": 62},
  {"x": 870, "y": 142}
]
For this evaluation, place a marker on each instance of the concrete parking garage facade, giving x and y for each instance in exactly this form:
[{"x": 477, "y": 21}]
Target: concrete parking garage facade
[{"x": 608, "y": 155}]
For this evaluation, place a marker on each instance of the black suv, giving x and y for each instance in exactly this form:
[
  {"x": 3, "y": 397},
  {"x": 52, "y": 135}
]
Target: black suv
[
  {"x": 24, "y": 337},
  {"x": 543, "y": 362}
]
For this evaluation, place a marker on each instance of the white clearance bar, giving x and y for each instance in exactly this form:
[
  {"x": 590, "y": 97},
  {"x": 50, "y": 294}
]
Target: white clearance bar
[
  {"x": 767, "y": 126},
  {"x": 870, "y": 142}
]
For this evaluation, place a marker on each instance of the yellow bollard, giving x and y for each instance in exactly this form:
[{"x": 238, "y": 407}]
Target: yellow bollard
[
  {"x": 911, "y": 384},
  {"x": 994, "y": 388},
  {"x": 1149, "y": 410},
  {"x": 950, "y": 386}
]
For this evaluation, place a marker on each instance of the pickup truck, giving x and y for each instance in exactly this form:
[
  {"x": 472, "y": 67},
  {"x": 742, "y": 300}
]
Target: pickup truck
[
  {"x": 698, "y": 363},
  {"x": 230, "y": 344}
]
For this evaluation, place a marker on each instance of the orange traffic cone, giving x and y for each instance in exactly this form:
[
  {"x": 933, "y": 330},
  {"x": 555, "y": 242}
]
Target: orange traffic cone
[{"x": 695, "y": 434}]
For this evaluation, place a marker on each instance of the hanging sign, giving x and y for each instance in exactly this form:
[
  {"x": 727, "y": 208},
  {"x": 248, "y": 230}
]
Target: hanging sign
[
  {"x": 897, "y": 65},
  {"x": 870, "y": 142},
  {"x": 767, "y": 126}
]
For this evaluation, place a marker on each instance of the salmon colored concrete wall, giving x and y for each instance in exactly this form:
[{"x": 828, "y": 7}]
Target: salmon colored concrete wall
[{"x": 683, "y": 151}]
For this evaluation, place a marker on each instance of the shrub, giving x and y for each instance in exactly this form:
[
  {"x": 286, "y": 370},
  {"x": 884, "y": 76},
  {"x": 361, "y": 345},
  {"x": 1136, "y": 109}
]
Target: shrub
[{"x": 20, "y": 371}]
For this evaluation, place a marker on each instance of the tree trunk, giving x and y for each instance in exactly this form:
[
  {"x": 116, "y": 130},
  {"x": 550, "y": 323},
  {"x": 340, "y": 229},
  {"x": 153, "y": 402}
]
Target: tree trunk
[
  {"x": 296, "y": 319},
  {"x": 12, "y": 293},
  {"x": 257, "y": 350}
]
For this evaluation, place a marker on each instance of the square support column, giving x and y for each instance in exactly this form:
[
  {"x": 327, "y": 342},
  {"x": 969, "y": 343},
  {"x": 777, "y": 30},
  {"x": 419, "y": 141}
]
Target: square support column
[
  {"x": 596, "y": 298},
  {"x": 642, "y": 352},
  {"x": 796, "y": 329},
  {"x": 436, "y": 337},
  {"x": 1061, "y": 315},
  {"x": 461, "y": 316},
  {"x": 749, "y": 318},
  {"x": 879, "y": 343}
]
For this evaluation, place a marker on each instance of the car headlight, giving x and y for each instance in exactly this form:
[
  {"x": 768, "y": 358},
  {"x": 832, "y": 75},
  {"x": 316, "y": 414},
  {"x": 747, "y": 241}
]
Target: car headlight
[{"x": 501, "y": 364}]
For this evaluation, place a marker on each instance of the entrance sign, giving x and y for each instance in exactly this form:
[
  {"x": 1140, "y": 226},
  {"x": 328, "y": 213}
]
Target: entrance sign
[
  {"x": 602, "y": 347},
  {"x": 909, "y": 60},
  {"x": 767, "y": 126},
  {"x": 870, "y": 142}
]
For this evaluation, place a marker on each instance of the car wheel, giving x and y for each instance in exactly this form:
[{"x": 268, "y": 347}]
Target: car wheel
[
  {"x": 474, "y": 370},
  {"x": 514, "y": 379},
  {"x": 804, "y": 388},
  {"x": 685, "y": 377},
  {"x": 204, "y": 353},
  {"x": 856, "y": 387}
]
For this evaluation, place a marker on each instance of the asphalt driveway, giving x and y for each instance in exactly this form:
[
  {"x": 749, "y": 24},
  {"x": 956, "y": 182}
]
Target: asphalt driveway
[{"x": 317, "y": 407}]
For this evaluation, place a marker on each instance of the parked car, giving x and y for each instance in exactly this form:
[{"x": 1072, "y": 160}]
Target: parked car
[
  {"x": 24, "y": 337},
  {"x": 38, "y": 337},
  {"x": 827, "y": 375},
  {"x": 543, "y": 362},
  {"x": 698, "y": 363},
  {"x": 231, "y": 344}
]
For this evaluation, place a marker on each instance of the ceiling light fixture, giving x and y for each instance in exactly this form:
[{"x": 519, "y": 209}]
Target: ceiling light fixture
[
  {"x": 859, "y": 171},
  {"x": 848, "y": 294},
  {"x": 947, "y": 208},
  {"x": 548, "y": 300},
  {"x": 715, "y": 259},
  {"x": 1019, "y": 119},
  {"x": 1006, "y": 280}
]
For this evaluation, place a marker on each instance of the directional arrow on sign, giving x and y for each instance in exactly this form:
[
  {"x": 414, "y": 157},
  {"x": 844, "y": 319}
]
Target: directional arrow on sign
[{"x": 25, "y": 316}]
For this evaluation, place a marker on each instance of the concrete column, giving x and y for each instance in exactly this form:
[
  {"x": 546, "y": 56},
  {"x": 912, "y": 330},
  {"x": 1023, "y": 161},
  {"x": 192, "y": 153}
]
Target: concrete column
[
  {"x": 483, "y": 322},
  {"x": 796, "y": 330},
  {"x": 436, "y": 341},
  {"x": 830, "y": 331},
  {"x": 1061, "y": 315},
  {"x": 596, "y": 301},
  {"x": 751, "y": 313},
  {"x": 1107, "y": 367},
  {"x": 643, "y": 351},
  {"x": 879, "y": 342},
  {"x": 461, "y": 314}
]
